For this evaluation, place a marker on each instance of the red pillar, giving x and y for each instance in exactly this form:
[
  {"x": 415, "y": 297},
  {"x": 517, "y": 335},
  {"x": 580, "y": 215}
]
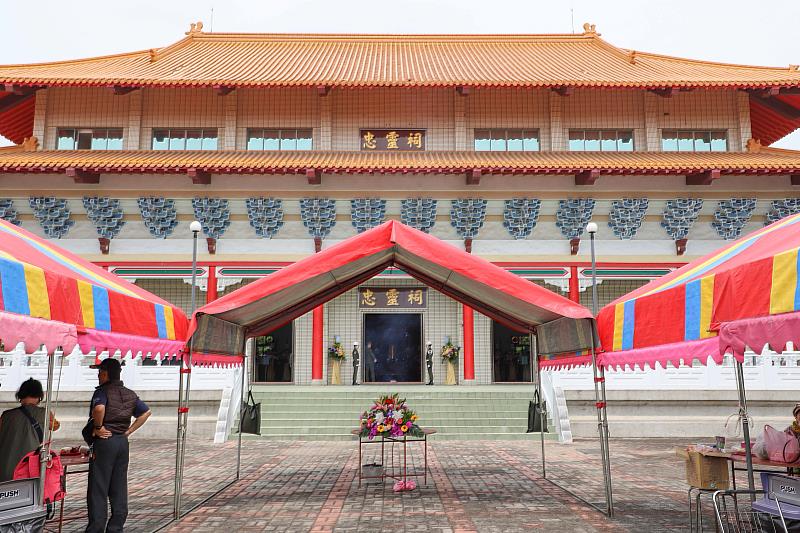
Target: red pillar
[
  {"x": 316, "y": 345},
  {"x": 574, "y": 288},
  {"x": 211, "y": 287},
  {"x": 469, "y": 345}
]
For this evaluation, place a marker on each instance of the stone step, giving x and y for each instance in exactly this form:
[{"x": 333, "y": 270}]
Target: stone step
[{"x": 439, "y": 436}]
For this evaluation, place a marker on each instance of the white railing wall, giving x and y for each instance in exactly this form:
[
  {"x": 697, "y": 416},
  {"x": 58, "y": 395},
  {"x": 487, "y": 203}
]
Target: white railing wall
[
  {"x": 72, "y": 372},
  {"x": 769, "y": 371}
]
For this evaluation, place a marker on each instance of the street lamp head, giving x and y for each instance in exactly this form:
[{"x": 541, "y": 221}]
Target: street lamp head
[
  {"x": 195, "y": 227},
  {"x": 591, "y": 228}
]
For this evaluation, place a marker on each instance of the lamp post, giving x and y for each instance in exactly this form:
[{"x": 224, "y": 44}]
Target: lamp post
[
  {"x": 600, "y": 382},
  {"x": 185, "y": 368}
]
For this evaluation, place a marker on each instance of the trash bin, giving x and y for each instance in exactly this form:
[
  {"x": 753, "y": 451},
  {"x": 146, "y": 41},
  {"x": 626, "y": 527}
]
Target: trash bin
[{"x": 20, "y": 511}]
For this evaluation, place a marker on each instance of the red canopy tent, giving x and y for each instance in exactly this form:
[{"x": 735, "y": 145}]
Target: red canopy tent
[
  {"x": 219, "y": 330},
  {"x": 744, "y": 295},
  {"x": 52, "y": 298}
]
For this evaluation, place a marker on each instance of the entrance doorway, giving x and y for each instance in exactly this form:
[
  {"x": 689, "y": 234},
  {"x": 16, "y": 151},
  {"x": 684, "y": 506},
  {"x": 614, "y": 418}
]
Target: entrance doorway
[
  {"x": 511, "y": 355},
  {"x": 272, "y": 360},
  {"x": 392, "y": 348}
]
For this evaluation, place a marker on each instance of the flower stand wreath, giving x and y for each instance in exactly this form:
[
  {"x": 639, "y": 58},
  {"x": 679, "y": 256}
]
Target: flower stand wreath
[
  {"x": 449, "y": 355},
  {"x": 336, "y": 354},
  {"x": 390, "y": 417}
]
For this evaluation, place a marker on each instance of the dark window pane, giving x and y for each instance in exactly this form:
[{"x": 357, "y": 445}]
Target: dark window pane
[
  {"x": 177, "y": 139},
  {"x": 530, "y": 141},
  {"x": 608, "y": 141},
  {"x": 685, "y": 141},
  {"x": 482, "y": 141},
  {"x": 160, "y": 139},
  {"x": 194, "y": 139},
  {"x": 514, "y": 140},
  {"x": 288, "y": 140},
  {"x": 304, "y": 139},
  {"x": 66, "y": 139},
  {"x": 702, "y": 141},
  {"x": 719, "y": 141},
  {"x": 209, "y": 140},
  {"x": 625, "y": 141},
  {"x": 255, "y": 140},
  {"x": 576, "y": 143},
  {"x": 592, "y": 143},
  {"x": 669, "y": 141},
  {"x": 114, "y": 140},
  {"x": 272, "y": 140},
  {"x": 84, "y": 140}
]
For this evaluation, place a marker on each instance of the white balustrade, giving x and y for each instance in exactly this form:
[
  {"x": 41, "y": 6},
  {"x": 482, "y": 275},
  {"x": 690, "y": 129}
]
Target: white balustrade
[
  {"x": 72, "y": 371},
  {"x": 769, "y": 371}
]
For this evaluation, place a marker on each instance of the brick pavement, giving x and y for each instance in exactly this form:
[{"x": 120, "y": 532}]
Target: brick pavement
[{"x": 485, "y": 486}]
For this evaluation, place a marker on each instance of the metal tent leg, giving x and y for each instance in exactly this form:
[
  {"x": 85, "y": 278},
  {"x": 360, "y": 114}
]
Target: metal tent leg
[
  {"x": 44, "y": 455},
  {"x": 248, "y": 355},
  {"x": 745, "y": 423},
  {"x": 535, "y": 357}
]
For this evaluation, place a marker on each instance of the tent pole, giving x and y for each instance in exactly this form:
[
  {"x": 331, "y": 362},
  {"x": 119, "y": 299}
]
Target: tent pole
[
  {"x": 598, "y": 373},
  {"x": 183, "y": 396},
  {"x": 535, "y": 357},
  {"x": 44, "y": 454},
  {"x": 745, "y": 423},
  {"x": 247, "y": 351}
]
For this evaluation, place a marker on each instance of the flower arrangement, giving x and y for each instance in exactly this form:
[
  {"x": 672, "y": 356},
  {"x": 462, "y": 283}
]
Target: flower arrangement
[
  {"x": 336, "y": 351},
  {"x": 450, "y": 352},
  {"x": 389, "y": 417}
]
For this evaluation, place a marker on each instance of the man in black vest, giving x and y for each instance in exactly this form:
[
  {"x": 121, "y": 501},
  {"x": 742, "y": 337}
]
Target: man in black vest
[{"x": 111, "y": 410}]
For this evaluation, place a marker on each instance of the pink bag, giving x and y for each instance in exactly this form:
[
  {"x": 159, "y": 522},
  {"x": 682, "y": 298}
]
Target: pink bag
[
  {"x": 28, "y": 467},
  {"x": 782, "y": 447}
]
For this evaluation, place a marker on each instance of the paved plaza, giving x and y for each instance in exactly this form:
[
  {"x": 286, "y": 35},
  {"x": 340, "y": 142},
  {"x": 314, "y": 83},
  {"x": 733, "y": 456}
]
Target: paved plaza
[{"x": 486, "y": 486}]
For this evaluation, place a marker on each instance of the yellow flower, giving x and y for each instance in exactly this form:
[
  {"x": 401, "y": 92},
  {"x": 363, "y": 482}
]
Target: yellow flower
[
  {"x": 380, "y": 428},
  {"x": 413, "y": 418},
  {"x": 405, "y": 428}
]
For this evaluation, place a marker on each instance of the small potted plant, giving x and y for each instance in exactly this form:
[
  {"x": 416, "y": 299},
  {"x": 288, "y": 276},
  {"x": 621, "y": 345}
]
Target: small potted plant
[{"x": 336, "y": 354}]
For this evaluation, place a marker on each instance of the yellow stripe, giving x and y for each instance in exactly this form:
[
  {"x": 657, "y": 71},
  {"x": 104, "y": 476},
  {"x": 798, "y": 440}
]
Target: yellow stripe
[
  {"x": 100, "y": 280},
  {"x": 706, "y": 306},
  {"x": 169, "y": 319},
  {"x": 38, "y": 300},
  {"x": 619, "y": 318},
  {"x": 784, "y": 283},
  {"x": 689, "y": 273},
  {"x": 87, "y": 303}
]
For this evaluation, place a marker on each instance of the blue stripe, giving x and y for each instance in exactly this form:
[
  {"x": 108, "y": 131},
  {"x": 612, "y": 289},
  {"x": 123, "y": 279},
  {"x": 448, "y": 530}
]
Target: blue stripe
[
  {"x": 692, "y": 311},
  {"x": 628, "y": 324},
  {"x": 797, "y": 286},
  {"x": 161, "y": 321},
  {"x": 15, "y": 290},
  {"x": 102, "y": 315}
]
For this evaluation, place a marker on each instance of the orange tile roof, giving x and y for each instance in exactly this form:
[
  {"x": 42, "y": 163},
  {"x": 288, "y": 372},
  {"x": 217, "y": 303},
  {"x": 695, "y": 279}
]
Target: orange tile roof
[
  {"x": 765, "y": 160},
  {"x": 581, "y": 60}
]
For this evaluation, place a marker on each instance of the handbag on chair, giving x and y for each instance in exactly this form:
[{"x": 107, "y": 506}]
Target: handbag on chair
[
  {"x": 537, "y": 415},
  {"x": 251, "y": 416}
]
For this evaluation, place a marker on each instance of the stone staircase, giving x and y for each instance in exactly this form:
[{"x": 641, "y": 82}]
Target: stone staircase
[{"x": 494, "y": 412}]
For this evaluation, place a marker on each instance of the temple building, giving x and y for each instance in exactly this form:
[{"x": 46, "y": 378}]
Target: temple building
[{"x": 503, "y": 145}]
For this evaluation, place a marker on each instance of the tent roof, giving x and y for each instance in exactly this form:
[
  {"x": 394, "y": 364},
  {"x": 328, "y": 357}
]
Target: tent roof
[
  {"x": 755, "y": 276},
  {"x": 53, "y": 297},
  {"x": 222, "y": 326}
]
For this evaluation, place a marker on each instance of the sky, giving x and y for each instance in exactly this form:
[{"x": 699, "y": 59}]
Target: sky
[{"x": 733, "y": 31}]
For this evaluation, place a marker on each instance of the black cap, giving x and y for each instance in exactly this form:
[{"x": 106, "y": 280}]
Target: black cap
[{"x": 109, "y": 365}]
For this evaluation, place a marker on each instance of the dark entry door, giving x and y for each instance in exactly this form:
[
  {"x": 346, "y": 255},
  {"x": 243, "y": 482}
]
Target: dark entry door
[
  {"x": 392, "y": 347},
  {"x": 273, "y": 361},
  {"x": 511, "y": 355}
]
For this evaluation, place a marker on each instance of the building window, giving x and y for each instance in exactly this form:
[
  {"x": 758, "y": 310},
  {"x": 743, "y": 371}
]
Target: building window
[
  {"x": 502, "y": 140},
  {"x": 600, "y": 141},
  {"x": 694, "y": 141},
  {"x": 184, "y": 139},
  {"x": 89, "y": 139},
  {"x": 279, "y": 139}
]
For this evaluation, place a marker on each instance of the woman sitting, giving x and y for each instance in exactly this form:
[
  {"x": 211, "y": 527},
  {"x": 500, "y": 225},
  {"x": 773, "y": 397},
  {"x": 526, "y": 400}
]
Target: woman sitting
[{"x": 21, "y": 428}]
